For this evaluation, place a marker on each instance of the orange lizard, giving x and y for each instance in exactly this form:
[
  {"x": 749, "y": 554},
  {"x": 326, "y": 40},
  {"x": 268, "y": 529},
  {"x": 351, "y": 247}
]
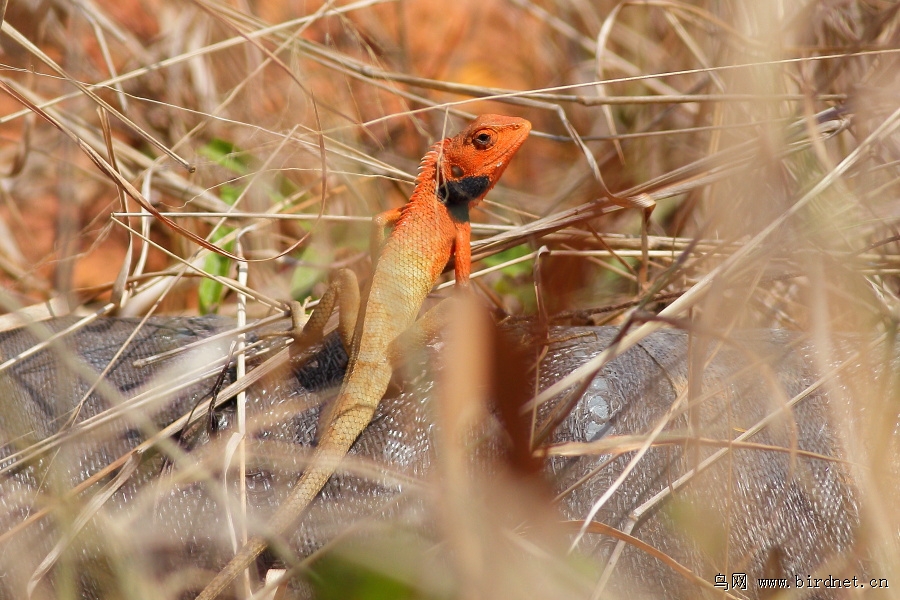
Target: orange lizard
[{"x": 454, "y": 176}]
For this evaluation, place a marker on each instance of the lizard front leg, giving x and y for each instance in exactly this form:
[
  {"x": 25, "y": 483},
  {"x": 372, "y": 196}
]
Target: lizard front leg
[{"x": 380, "y": 222}]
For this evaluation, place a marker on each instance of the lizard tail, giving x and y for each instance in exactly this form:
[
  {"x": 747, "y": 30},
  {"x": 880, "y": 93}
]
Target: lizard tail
[
  {"x": 241, "y": 561},
  {"x": 322, "y": 466}
]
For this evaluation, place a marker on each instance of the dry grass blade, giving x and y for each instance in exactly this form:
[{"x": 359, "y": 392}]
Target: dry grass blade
[
  {"x": 612, "y": 532},
  {"x": 107, "y": 169},
  {"x": 763, "y": 136},
  {"x": 735, "y": 261},
  {"x": 96, "y": 502},
  {"x": 26, "y": 43}
]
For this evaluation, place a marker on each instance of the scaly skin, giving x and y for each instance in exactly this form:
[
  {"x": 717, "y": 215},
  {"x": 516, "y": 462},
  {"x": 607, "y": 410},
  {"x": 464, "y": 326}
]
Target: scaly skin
[{"x": 454, "y": 176}]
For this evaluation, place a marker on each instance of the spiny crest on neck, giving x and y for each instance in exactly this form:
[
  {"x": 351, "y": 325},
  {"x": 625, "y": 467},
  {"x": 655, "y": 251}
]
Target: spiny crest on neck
[
  {"x": 435, "y": 181},
  {"x": 428, "y": 167}
]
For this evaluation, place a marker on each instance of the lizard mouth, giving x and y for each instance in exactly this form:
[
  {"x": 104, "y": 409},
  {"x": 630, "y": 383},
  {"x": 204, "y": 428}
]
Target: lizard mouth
[{"x": 520, "y": 139}]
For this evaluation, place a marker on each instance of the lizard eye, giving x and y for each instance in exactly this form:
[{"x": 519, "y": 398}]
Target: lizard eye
[
  {"x": 456, "y": 171},
  {"x": 483, "y": 139}
]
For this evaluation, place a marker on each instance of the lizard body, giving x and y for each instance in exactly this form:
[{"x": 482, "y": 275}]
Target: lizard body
[{"x": 455, "y": 175}]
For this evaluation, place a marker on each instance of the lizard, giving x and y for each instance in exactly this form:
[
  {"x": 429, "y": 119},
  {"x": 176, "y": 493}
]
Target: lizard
[{"x": 454, "y": 176}]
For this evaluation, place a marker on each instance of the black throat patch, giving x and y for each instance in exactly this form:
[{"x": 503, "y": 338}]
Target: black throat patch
[{"x": 457, "y": 193}]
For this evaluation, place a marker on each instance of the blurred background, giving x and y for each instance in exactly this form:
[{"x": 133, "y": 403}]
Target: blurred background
[
  {"x": 319, "y": 113},
  {"x": 740, "y": 158}
]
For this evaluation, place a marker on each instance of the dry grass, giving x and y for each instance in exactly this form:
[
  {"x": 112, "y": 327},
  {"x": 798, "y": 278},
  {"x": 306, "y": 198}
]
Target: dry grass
[{"x": 764, "y": 132}]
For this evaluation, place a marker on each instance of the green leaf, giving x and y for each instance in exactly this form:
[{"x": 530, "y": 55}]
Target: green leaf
[
  {"x": 210, "y": 292},
  {"x": 336, "y": 580},
  {"x": 226, "y": 155},
  {"x": 516, "y": 280},
  {"x": 522, "y": 268},
  {"x": 306, "y": 276}
]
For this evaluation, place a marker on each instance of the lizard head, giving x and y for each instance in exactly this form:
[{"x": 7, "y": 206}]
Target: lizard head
[{"x": 470, "y": 163}]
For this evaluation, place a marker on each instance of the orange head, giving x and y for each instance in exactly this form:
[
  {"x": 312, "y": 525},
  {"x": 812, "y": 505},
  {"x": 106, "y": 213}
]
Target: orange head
[{"x": 464, "y": 168}]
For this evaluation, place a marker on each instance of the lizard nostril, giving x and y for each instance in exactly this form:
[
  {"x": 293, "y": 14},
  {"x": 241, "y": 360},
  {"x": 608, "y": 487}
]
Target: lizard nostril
[{"x": 456, "y": 171}]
